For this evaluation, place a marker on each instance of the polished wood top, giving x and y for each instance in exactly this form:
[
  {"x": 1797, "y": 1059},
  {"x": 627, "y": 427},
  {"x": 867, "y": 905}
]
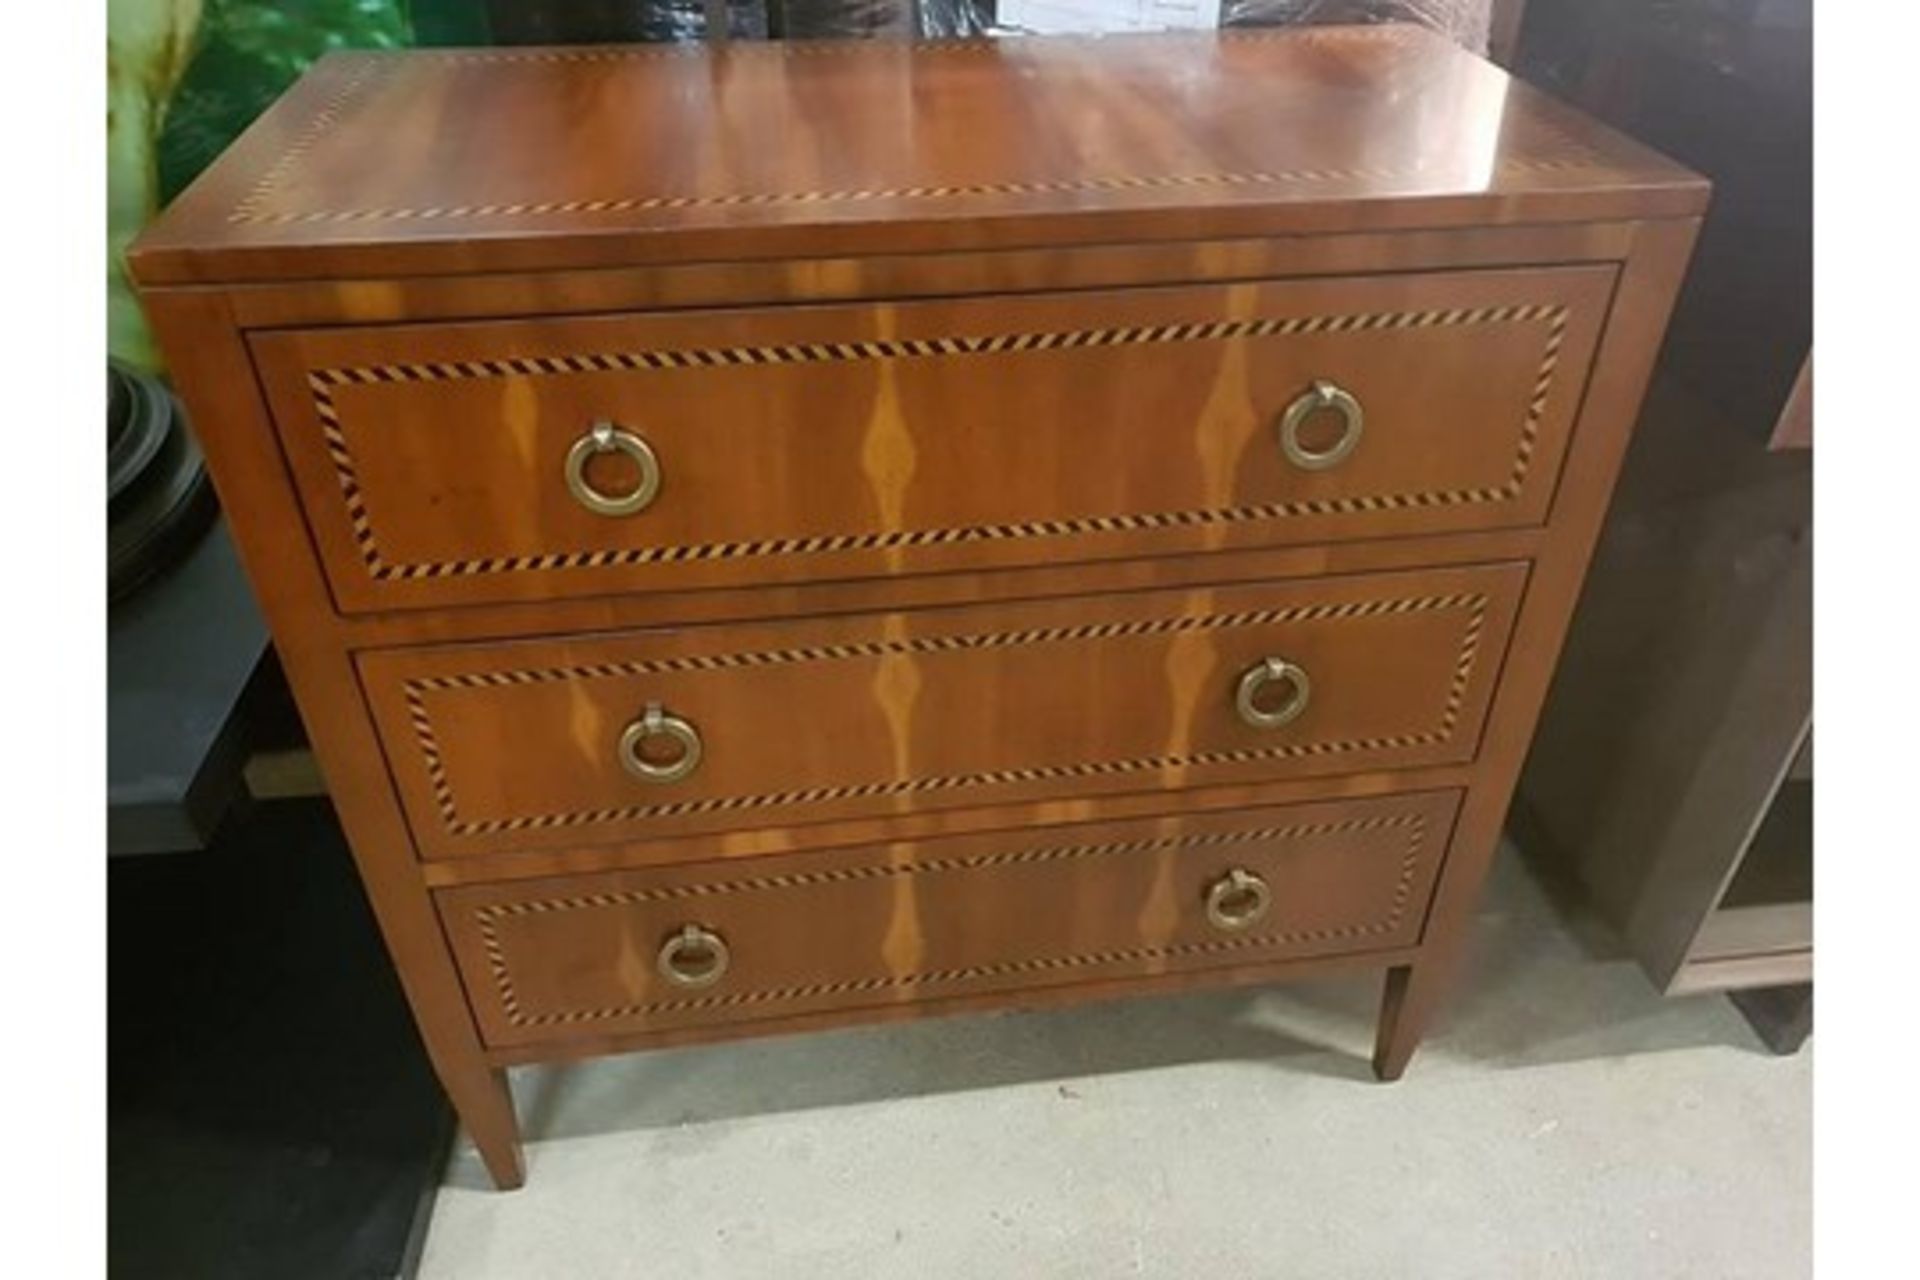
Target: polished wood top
[{"x": 437, "y": 161}]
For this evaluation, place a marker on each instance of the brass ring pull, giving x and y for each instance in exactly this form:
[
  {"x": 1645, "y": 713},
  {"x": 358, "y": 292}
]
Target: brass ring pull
[
  {"x": 694, "y": 957},
  {"x": 1322, "y": 395},
  {"x": 657, "y": 722},
  {"x": 604, "y": 437},
  {"x": 1237, "y": 900},
  {"x": 1246, "y": 695}
]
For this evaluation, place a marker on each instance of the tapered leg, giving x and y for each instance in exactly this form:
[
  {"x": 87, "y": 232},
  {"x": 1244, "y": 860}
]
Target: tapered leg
[
  {"x": 1781, "y": 1016},
  {"x": 213, "y": 369},
  {"x": 481, "y": 1099},
  {"x": 1406, "y": 1007}
]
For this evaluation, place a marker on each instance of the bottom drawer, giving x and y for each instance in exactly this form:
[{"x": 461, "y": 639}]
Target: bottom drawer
[{"x": 729, "y": 942}]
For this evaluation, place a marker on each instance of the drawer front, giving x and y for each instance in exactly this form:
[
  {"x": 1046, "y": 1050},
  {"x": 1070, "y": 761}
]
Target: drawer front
[
  {"x": 857, "y": 928},
  {"x": 835, "y": 442},
  {"x": 503, "y": 747}
]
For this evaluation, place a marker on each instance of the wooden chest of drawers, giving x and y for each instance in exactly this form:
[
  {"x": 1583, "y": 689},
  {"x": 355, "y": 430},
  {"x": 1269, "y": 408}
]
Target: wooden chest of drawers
[{"x": 803, "y": 533}]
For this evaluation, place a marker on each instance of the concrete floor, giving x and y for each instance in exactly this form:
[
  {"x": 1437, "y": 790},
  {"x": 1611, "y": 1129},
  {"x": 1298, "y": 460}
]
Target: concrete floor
[{"x": 1563, "y": 1121}]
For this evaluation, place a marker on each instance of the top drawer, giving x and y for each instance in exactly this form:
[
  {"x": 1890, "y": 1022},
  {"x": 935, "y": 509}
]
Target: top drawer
[{"x": 803, "y": 443}]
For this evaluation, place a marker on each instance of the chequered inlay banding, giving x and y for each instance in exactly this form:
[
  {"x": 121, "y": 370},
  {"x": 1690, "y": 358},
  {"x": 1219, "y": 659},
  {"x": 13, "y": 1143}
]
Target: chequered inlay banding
[
  {"x": 251, "y": 208},
  {"x": 944, "y": 644},
  {"x": 770, "y": 199},
  {"x": 1383, "y": 33},
  {"x": 446, "y": 803},
  {"x": 324, "y": 118},
  {"x": 487, "y": 919},
  {"x": 322, "y": 383}
]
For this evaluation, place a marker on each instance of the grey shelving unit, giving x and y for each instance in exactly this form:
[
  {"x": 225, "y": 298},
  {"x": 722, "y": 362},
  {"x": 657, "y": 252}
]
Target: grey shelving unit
[
  {"x": 180, "y": 655},
  {"x": 1673, "y": 769},
  {"x": 1672, "y": 777}
]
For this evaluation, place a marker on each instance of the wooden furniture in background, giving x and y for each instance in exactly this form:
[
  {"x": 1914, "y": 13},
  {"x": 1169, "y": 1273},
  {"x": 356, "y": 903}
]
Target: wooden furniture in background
[
  {"x": 1793, "y": 429},
  {"x": 1503, "y": 30},
  {"x": 1661, "y": 773},
  {"x": 1672, "y": 773},
  {"x": 798, "y": 534}
]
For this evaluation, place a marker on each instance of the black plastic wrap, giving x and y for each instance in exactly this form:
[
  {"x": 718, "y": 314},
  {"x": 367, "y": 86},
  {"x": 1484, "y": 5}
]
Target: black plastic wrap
[
  {"x": 619, "y": 21},
  {"x": 582, "y": 21}
]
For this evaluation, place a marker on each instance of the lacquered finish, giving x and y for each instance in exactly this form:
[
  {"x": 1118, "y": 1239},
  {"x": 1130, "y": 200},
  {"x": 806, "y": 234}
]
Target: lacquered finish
[
  {"x": 549, "y": 960},
  {"x": 921, "y": 696},
  {"x": 508, "y": 747},
  {"x": 860, "y": 441},
  {"x": 856, "y": 277},
  {"x": 538, "y": 159}
]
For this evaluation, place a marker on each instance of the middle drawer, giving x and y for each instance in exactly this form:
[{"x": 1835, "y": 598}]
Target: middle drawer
[{"x": 596, "y": 739}]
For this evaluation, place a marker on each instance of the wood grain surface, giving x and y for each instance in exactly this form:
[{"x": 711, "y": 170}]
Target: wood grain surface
[
  {"x": 499, "y": 748},
  {"x": 834, "y": 442},
  {"x": 394, "y": 305},
  {"x": 548, "y": 158},
  {"x": 551, "y": 960}
]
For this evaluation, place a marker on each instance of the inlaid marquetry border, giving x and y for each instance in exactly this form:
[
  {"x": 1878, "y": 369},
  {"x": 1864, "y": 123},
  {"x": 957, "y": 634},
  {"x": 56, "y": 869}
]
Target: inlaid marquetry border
[
  {"x": 447, "y": 807},
  {"x": 321, "y": 384},
  {"x": 344, "y": 97},
  {"x": 671, "y": 201},
  {"x": 487, "y": 919},
  {"x": 251, "y": 209},
  {"x": 1381, "y": 33}
]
